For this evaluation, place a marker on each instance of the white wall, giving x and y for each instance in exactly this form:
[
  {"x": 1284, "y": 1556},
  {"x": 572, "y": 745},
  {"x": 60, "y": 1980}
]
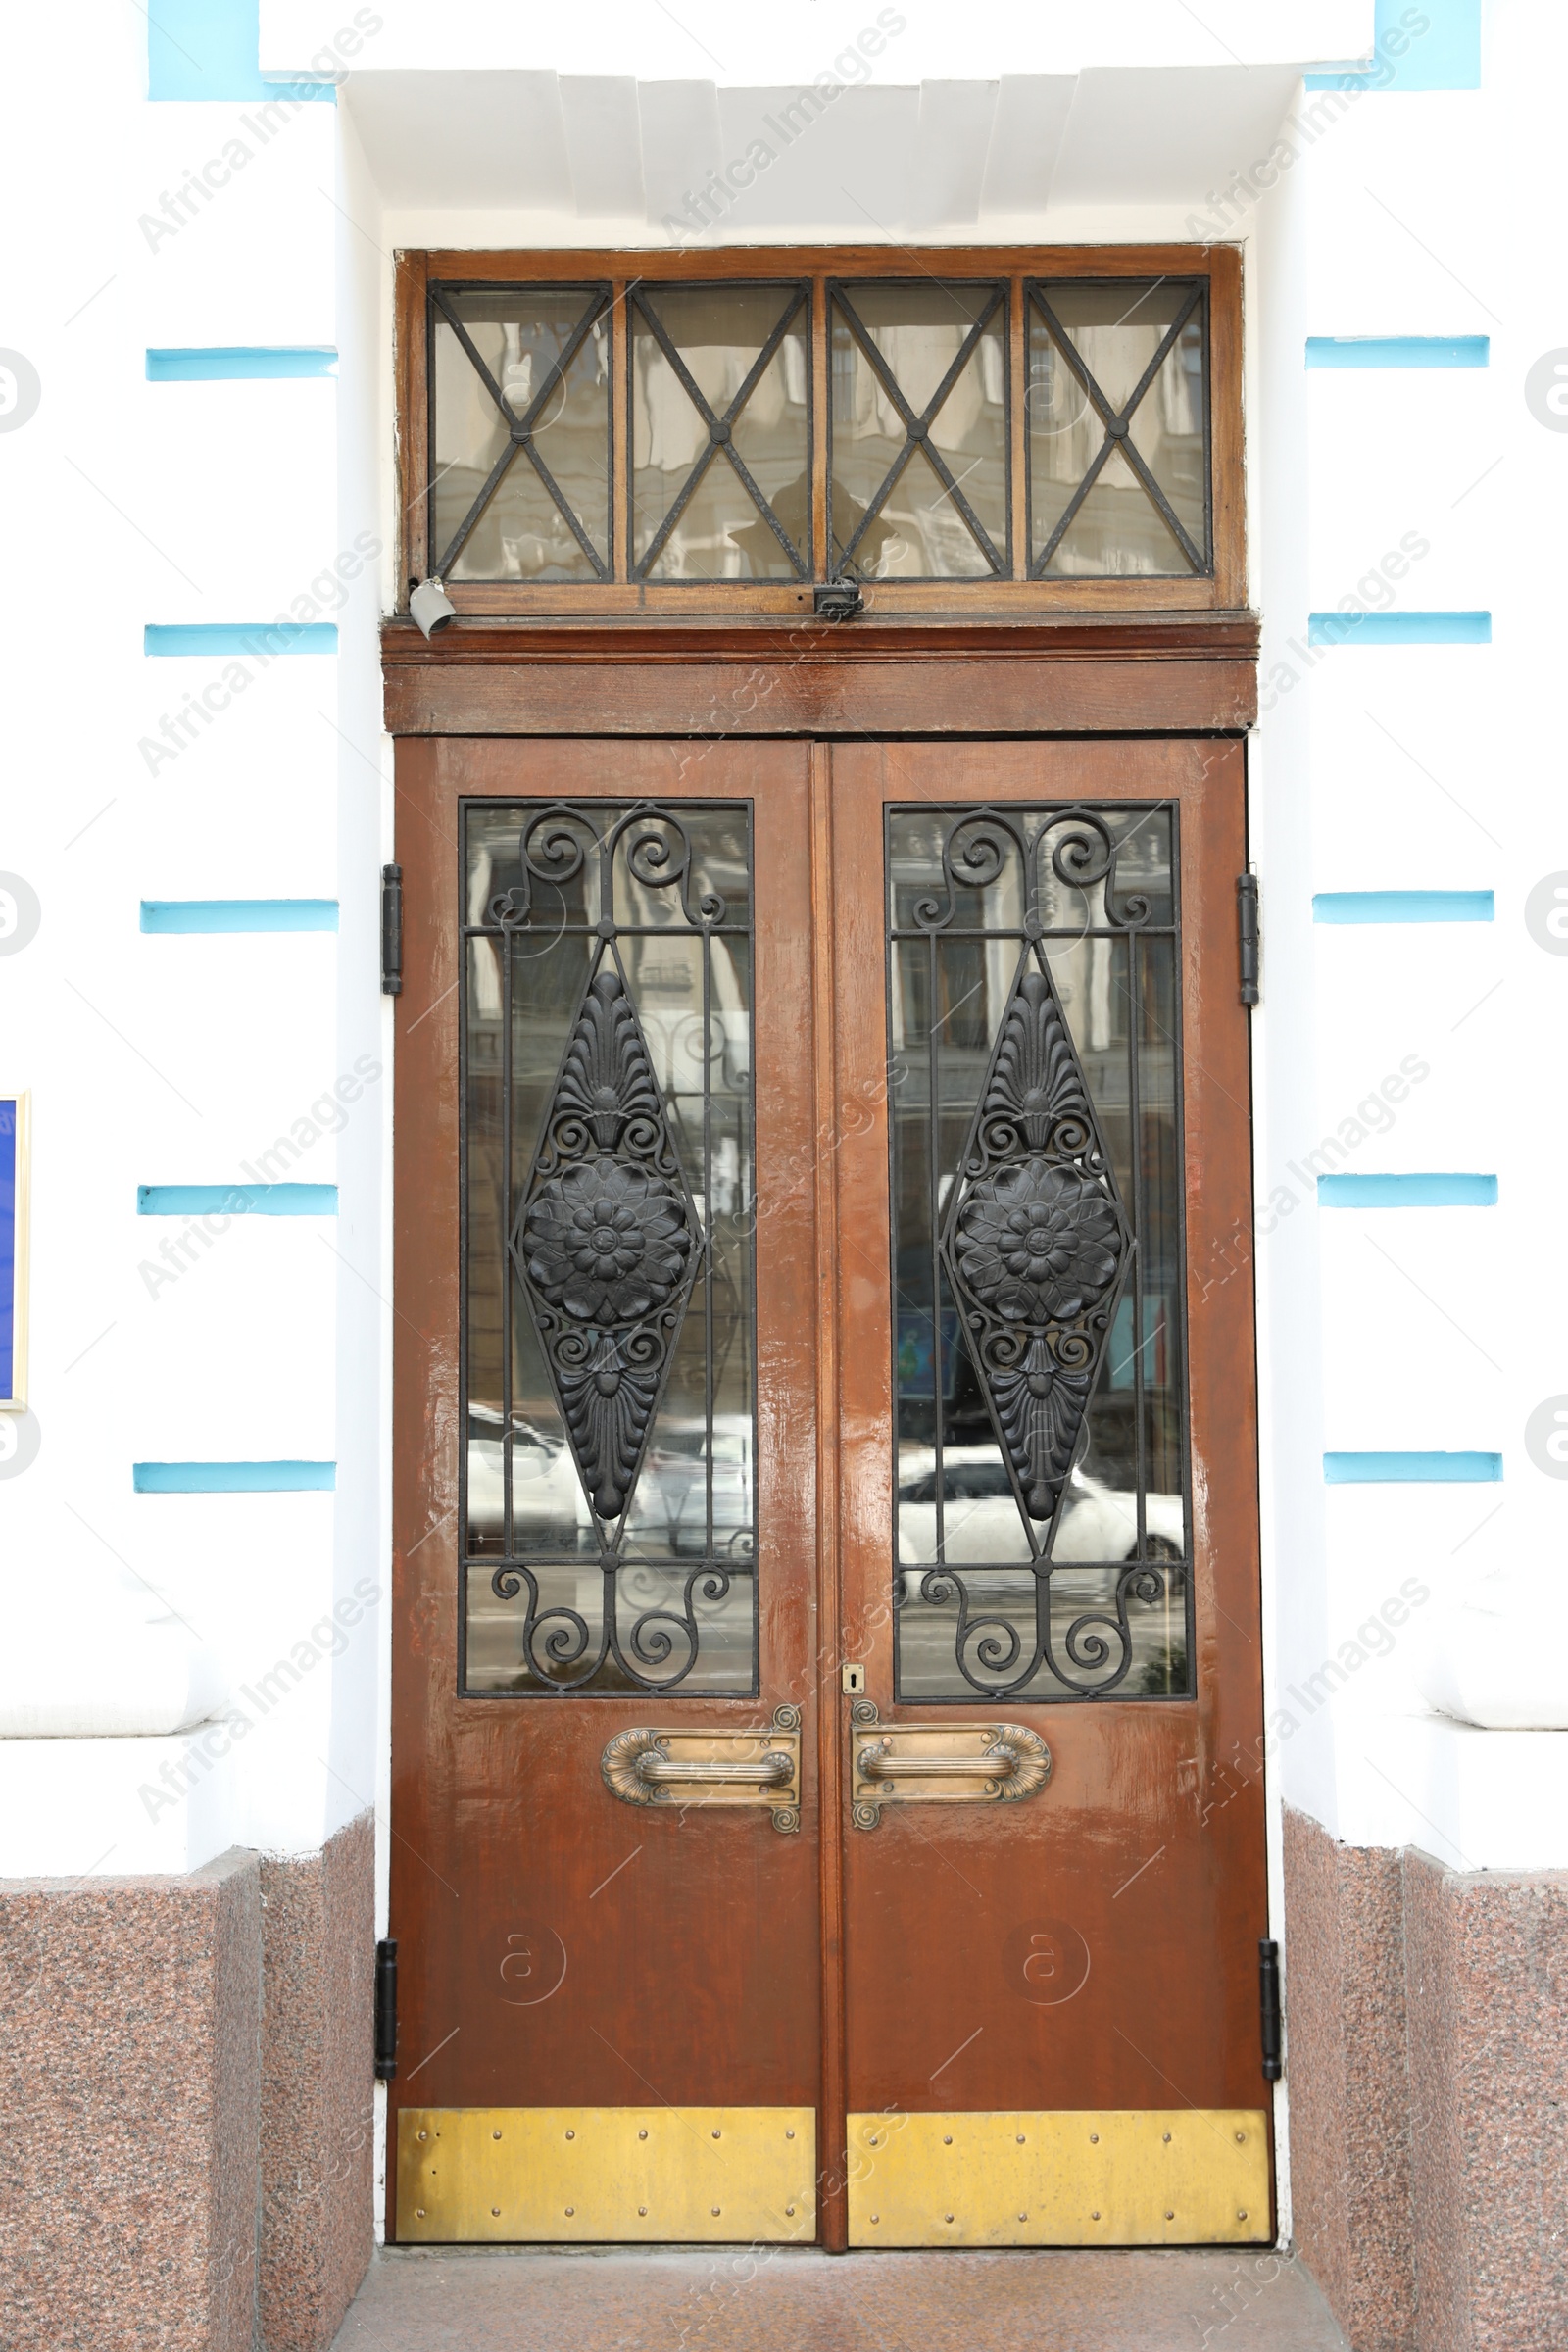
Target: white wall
[{"x": 177, "y": 1059}]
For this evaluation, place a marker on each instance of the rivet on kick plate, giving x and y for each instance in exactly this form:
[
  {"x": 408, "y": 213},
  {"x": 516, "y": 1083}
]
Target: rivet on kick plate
[
  {"x": 947, "y": 2139},
  {"x": 642, "y": 2136},
  {"x": 571, "y": 2210},
  {"x": 713, "y": 2210},
  {"x": 1170, "y": 2217},
  {"x": 495, "y": 2213},
  {"x": 1241, "y": 2217},
  {"x": 1168, "y": 2139},
  {"x": 642, "y": 2209}
]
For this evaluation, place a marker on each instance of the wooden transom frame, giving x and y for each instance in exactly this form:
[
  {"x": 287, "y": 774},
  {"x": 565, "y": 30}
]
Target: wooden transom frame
[{"x": 1222, "y": 589}]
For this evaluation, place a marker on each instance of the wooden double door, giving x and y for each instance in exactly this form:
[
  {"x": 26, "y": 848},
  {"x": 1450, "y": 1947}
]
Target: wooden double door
[{"x": 826, "y": 1722}]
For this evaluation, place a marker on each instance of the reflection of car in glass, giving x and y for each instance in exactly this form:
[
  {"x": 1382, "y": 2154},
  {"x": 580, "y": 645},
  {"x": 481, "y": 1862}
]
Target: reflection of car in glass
[
  {"x": 677, "y": 1471},
  {"x": 547, "y": 1497},
  {"x": 982, "y": 1525}
]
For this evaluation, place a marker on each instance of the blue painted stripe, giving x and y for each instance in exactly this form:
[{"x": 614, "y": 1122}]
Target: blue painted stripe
[
  {"x": 260, "y": 639},
  {"x": 1408, "y": 1192},
  {"x": 1396, "y": 351},
  {"x": 211, "y": 49},
  {"x": 236, "y": 362},
  {"x": 239, "y": 915},
  {"x": 236, "y": 1200},
  {"x": 1399, "y": 628},
  {"x": 1403, "y": 907},
  {"x": 1411, "y": 1469},
  {"x": 1443, "y": 54},
  {"x": 234, "y": 1478}
]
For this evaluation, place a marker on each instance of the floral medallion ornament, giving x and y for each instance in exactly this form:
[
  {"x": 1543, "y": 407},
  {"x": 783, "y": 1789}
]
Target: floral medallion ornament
[
  {"x": 1036, "y": 1242},
  {"x": 607, "y": 1244}
]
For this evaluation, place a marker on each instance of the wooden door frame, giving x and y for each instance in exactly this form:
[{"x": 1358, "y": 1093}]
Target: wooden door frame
[{"x": 1184, "y": 674}]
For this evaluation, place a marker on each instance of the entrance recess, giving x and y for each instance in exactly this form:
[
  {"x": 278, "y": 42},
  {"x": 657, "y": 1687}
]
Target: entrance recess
[{"x": 825, "y": 1517}]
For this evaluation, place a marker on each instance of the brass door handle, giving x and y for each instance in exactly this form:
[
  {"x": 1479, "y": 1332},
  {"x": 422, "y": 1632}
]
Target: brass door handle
[
  {"x": 999, "y": 1762},
  {"x": 775, "y": 1771},
  {"x": 651, "y": 1766},
  {"x": 939, "y": 1763}
]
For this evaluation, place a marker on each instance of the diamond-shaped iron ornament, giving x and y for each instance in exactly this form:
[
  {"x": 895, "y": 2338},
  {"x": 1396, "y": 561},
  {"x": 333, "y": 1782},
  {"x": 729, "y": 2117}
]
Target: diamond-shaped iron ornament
[
  {"x": 606, "y": 1243},
  {"x": 1036, "y": 1241}
]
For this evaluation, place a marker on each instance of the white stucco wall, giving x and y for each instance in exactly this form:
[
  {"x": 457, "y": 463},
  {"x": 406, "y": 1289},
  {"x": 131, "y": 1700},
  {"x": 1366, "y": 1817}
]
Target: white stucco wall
[{"x": 157, "y": 1060}]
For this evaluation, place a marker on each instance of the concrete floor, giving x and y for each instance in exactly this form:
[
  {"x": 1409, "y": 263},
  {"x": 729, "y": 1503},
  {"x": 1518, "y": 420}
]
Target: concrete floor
[{"x": 739, "y": 2299}]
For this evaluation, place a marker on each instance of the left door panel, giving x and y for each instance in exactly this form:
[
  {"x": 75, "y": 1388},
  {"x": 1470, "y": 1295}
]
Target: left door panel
[{"x": 604, "y": 1854}]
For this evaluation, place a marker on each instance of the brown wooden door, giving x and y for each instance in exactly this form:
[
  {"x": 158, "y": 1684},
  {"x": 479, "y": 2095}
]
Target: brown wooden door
[
  {"x": 634, "y": 2006},
  {"x": 1066, "y": 1986}
]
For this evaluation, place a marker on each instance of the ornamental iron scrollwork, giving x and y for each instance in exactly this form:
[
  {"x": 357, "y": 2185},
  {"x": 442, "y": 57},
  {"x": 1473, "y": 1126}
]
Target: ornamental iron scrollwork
[
  {"x": 1041, "y": 1259},
  {"x": 608, "y": 1240},
  {"x": 1035, "y": 1242},
  {"x": 606, "y": 1243}
]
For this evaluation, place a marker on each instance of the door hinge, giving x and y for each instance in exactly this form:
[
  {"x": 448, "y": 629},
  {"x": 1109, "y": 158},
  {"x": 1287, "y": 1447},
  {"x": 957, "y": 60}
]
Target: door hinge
[
  {"x": 1270, "y": 2020},
  {"x": 1248, "y": 937},
  {"x": 386, "y": 2009},
  {"x": 391, "y": 930}
]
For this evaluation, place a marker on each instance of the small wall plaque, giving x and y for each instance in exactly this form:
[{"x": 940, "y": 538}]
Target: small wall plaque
[{"x": 13, "y": 1173}]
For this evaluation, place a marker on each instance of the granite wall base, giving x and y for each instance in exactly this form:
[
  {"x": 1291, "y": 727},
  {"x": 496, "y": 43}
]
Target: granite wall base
[
  {"x": 131, "y": 2065},
  {"x": 186, "y": 2072},
  {"x": 1428, "y": 2069},
  {"x": 318, "y": 2070}
]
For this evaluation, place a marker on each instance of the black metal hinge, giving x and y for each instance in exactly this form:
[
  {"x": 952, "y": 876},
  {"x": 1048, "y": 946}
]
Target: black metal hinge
[
  {"x": 1248, "y": 937},
  {"x": 386, "y": 2009},
  {"x": 391, "y": 930},
  {"x": 1271, "y": 2021}
]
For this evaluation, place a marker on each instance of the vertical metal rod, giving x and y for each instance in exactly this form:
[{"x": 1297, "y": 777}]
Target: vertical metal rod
[
  {"x": 506, "y": 1114},
  {"x": 707, "y": 951},
  {"x": 1135, "y": 978},
  {"x": 832, "y": 2149},
  {"x": 933, "y": 1114}
]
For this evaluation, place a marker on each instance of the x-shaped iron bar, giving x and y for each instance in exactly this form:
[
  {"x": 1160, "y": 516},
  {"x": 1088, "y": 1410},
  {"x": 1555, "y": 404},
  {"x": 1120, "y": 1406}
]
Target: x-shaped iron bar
[
  {"x": 520, "y": 429},
  {"x": 1118, "y": 434},
  {"x": 917, "y": 428},
  {"x": 720, "y": 431}
]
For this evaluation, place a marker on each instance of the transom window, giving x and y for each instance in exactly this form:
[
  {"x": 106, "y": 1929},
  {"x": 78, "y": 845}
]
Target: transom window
[{"x": 937, "y": 430}]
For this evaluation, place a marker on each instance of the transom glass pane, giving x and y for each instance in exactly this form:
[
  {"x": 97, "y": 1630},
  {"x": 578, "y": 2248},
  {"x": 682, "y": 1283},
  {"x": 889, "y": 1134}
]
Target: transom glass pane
[
  {"x": 1117, "y": 416},
  {"x": 1042, "y": 1521},
  {"x": 919, "y": 473},
  {"x": 521, "y": 433},
  {"x": 610, "y": 1473},
  {"x": 721, "y": 386}
]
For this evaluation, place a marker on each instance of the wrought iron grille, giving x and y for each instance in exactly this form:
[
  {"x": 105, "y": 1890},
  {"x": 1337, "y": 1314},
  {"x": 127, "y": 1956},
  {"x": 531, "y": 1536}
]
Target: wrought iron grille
[
  {"x": 1119, "y": 467},
  {"x": 1035, "y": 1130},
  {"x": 662, "y": 433},
  {"x": 609, "y": 1473},
  {"x": 744, "y": 508},
  {"x": 542, "y": 384},
  {"x": 919, "y": 437}
]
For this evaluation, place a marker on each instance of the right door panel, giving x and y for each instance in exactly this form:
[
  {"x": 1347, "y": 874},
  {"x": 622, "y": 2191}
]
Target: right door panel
[{"x": 1055, "y": 1869}]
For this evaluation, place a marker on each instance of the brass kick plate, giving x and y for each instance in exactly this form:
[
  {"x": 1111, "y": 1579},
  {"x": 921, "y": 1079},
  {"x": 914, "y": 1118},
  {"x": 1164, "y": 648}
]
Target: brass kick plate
[
  {"x": 1183, "y": 2176},
  {"x": 619, "y": 2176}
]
